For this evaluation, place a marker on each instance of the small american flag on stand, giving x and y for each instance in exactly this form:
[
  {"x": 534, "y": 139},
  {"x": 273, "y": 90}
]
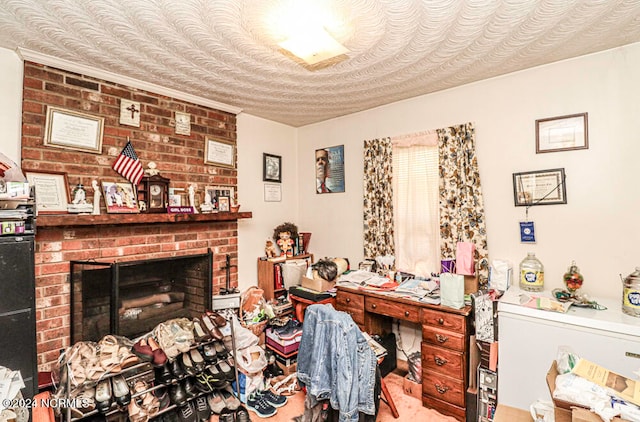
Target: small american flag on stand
[{"x": 128, "y": 165}]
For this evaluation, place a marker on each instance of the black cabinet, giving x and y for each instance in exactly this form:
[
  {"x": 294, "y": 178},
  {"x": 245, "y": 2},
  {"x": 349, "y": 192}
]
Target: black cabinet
[{"x": 17, "y": 309}]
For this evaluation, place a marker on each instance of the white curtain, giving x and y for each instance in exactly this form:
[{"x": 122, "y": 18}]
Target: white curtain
[{"x": 415, "y": 203}]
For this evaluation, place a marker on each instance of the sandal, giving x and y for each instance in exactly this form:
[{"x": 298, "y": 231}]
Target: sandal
[{"x": 159, "y": 356}]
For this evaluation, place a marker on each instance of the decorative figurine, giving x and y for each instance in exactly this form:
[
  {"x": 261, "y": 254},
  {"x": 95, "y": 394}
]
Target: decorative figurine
[
  {"x": 284, "y": 235},
  {"x": 79, "y": 204},
  {"x": 151, "y": 169},
  {"x": 270, "y": 248},
  {"x": 192, "y": 198},
  {"x": 96, "y": 197}
]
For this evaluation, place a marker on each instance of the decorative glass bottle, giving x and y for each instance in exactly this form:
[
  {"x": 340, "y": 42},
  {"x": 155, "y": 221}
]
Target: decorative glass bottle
[
  {"x": 572, "y": 278},
  {"x": 531, "y": 274}
]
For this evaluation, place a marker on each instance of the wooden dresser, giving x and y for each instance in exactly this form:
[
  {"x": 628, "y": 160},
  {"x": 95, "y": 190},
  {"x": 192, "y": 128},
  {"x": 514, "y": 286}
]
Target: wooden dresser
[{"x": 444, "y": 347}]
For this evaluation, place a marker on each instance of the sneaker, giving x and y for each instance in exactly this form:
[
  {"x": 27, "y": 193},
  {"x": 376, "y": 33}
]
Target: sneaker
[
  {"x": 260, "y": 406},
  {"x": 289, "y": 331},
  {"x": 203, "y": 411},
  {"x": 275, "y": 400},
  {"x": 242, "y": 414},
  {"x": 187, "y": 413}
]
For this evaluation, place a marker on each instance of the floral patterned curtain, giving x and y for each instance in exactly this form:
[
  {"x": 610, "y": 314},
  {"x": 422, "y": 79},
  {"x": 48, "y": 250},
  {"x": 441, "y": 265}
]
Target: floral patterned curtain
[
  {"x": 461, "y": 203},
  {"x": 378, "y": 198}
]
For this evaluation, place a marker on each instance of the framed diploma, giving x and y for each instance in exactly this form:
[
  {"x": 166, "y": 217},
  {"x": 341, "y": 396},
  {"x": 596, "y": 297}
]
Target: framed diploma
[
  {"x": 52, "y": 191},
  {"x": 543, "y": 187},
  {"x": 220, "y": 153},
  {"x": 73, "y": 130},
  {"x": 562, "y": 133},
  {"x": 272, "y": 192}
]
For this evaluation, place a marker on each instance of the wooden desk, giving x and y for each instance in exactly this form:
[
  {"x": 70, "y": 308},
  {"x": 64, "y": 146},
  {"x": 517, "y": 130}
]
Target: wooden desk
[{"x": 444, "y": 346}]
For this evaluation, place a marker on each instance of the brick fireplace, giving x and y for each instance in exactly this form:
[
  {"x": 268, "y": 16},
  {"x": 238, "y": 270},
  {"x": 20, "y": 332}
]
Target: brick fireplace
[{"x": 119, "y": 237}]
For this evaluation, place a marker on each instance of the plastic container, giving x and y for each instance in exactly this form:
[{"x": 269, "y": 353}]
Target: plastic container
[
  {"x": 531, "y": 274},
  {"x": 631, "y": 294}
]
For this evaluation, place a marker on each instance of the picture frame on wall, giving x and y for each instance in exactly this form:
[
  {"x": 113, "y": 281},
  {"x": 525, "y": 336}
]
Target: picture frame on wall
[
  {"x": 272, "y": 192},
  {"x": 119, "y": 198},
  {"x": 329, "y": 169},
  {"x": 542, "y": 187},
  {"x": 563, "y": 133},
  {"x": 52, "y": 191},
  {"x": 271, "y": 168},
  {"x": 220, "y": 153},
  {"x": 73, "y": 130}
]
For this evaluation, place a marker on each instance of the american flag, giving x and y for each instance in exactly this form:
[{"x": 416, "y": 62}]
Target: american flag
[{"x": 128, "y": 165}]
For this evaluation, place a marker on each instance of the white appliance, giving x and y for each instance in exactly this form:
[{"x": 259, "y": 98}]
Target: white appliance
[{"x": 529, "y": 341}]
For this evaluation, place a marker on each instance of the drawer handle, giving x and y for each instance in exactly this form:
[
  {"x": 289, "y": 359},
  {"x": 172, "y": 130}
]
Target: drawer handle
[
  {"x": 441, "y": 338},
  {"x": 440, "y": 361},
  {"x": 374, "y": 306},
  {"x": 441, "y": 389},
  {"x": 348, "y": 300},
  {"x": 440, "y": 321},
  {"x": 406, "y": 313}
]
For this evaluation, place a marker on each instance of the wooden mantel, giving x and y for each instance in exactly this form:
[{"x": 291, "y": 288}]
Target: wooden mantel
[{"x": 59, "y": 220}]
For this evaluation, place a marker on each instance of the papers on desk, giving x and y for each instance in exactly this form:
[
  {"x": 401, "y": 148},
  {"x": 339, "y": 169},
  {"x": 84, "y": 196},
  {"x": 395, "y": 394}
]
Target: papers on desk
[
  {"x": 362, "y": 278},
  {"x": 421, "y": 289},
  {"x": 10, "y": 384}
]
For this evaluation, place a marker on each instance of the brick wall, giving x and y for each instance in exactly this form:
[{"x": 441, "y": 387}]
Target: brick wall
[{"x": 178, "y": 157}]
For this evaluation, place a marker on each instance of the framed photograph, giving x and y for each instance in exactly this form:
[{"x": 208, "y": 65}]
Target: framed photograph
[
  {"x": 214, "y": 193},
  {"x": 272, "y": 192},
  {"x": 119, "y": 198},
  {"x": 52, "y": 191},
  {"x": 564, "y": 133},
  {"x": 223, "y": 203},
  {"x": 220, "y": 153},
  {"x": 271, "y": 168},
  {"x": 72, "y": 130},
  {"x": 330, "y": 169},
  {"x": 543, "y": 187}
]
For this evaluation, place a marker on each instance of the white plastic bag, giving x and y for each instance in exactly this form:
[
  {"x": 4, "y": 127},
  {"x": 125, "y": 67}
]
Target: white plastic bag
[
  {"x": 452, "y": 290},
  {"x": 251, "y": 360}
]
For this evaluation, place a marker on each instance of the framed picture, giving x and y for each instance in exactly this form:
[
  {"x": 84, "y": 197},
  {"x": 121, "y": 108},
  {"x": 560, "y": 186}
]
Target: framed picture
[
  {"x": 562, "y": 133},
  {"x": 543, "y": 187},
  {"x": 220, "y": 153},
  {"x": 213, "y": 193},
  {"x": 119, "y": 198},
  {"x": 52, "y": 191},
  {"x": 223, "y": 203},
  {"x": 271, "y": 168},
  {"x": 72, "y": 130},
  {"x": 272, "y": 192},
  {"x": 329, "y": 169}
]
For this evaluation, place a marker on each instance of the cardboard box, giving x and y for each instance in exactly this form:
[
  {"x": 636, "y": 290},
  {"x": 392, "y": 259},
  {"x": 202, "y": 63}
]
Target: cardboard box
[
  {"x": 288, "y": 369},
  {"x": 319, "y": 285},
  {"x": 412, "y": 388},
  {"x": 511, "y": 414}
]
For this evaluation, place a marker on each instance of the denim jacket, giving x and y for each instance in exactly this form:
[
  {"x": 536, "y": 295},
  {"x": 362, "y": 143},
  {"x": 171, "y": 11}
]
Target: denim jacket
[{"x": 335, "y": 362}]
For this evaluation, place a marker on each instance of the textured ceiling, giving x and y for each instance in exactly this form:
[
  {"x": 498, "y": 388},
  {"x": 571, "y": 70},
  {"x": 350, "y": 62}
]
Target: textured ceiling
[{"x": 226, "y": 50}]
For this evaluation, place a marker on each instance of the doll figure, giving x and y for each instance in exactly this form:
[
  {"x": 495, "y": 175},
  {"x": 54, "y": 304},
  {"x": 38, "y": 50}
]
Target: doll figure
[
  {"x": 270, "y": 248},
  {"x": 285, "y": 243}
]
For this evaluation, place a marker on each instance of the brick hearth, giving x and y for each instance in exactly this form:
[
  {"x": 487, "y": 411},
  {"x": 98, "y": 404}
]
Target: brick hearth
[{"x": 178, "y": 157}]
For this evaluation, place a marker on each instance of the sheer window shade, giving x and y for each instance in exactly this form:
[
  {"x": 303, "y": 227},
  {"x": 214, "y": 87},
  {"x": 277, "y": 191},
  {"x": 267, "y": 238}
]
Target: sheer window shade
[{"x": 415, "y": 204}]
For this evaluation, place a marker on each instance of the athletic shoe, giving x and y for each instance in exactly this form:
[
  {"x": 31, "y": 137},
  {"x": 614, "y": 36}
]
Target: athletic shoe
[
  {"x": 260, "y": 406},
  {"x": 275, "y": 400},
  {"x": 289, "y": 331}
]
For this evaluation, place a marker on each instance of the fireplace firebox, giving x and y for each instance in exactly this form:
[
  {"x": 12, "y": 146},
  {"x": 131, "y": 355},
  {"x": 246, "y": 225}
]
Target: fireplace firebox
[{"x": 131, "y": 298}]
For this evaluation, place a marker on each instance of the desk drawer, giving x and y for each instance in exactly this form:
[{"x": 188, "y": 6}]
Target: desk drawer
[
  {"x": 444, "y": 361},
  {"x": 443, "y": 388},
  {"x": 393, "y": 309},
  {"x": 444, "y": 320},
  {"x": 443, "y": 338},
  {"x": 353, "y": 304}
]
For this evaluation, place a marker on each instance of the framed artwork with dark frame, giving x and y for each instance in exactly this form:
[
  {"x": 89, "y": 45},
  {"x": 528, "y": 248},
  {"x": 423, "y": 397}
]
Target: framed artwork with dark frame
[
  {"x": 564, "y": 133},
  {"x": 271, "y": 168},
  {"x": 542, "y": 187}
]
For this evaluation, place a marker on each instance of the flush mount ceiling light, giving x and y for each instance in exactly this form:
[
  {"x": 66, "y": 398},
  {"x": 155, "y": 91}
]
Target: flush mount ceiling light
[{"x": 313, "y": 45}]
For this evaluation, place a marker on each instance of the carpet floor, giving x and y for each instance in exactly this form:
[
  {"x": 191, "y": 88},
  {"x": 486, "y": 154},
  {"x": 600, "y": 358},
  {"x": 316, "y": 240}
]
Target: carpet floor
[{"x": 409, "y": 408}]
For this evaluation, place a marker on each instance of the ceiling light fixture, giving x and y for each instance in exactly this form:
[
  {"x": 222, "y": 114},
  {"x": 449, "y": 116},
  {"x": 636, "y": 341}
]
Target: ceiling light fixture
[{"x": 313, "y": 45}]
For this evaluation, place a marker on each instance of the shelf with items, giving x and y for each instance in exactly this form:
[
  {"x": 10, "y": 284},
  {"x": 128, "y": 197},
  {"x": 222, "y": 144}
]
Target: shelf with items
[{"x": 270, "y": 277}]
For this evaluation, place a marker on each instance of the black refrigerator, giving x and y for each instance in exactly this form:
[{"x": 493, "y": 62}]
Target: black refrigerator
[{"x": 17, "y": 309}]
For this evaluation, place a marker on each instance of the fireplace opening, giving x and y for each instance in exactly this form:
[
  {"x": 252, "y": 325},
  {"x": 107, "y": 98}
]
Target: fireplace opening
[{"x": 131, "y": 298}]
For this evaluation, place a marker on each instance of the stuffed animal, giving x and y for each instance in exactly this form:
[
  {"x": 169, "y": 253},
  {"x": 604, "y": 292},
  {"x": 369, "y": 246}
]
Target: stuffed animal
[{"x": 270, "y": 248}]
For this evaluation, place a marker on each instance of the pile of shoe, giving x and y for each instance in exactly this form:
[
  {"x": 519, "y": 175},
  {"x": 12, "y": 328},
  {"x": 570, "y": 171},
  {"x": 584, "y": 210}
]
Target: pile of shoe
[{"x": 285, "y": 339}]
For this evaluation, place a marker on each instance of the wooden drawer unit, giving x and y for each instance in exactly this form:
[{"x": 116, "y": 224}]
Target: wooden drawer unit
[
  {"x": 353, "y": 304},
  {"x": 444, "y": 338},
  {"x": 444, "y": 388},
  {"x": 445, "y": 320},
  {"x": 445, "y": 361},
  {"x": 392, "y": 309}
]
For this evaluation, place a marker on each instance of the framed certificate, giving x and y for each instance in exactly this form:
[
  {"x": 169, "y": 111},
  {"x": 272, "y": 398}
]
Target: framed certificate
[
  {"x": 562, "y": 133},
  {"x": 220, "y": 153},
  {"x": 73, "y": 130},
  {"x": 543, "y": 187},
  {"x": 52, "y": 191}
]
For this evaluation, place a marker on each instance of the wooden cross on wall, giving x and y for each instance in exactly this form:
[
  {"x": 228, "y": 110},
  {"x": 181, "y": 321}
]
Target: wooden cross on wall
[
  {"x": 130, "y": 113},
  {"x": 132, "y": 109}
]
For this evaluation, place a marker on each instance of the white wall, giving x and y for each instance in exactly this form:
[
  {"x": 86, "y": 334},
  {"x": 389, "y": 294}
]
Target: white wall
[
  {"x": 10, "y": 103},
  {"x": 598, "y": 227},
  {"x": 255, "y": 137}
]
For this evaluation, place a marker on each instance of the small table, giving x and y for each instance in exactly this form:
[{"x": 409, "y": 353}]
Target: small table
[{"x": 300, "y": 304}]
